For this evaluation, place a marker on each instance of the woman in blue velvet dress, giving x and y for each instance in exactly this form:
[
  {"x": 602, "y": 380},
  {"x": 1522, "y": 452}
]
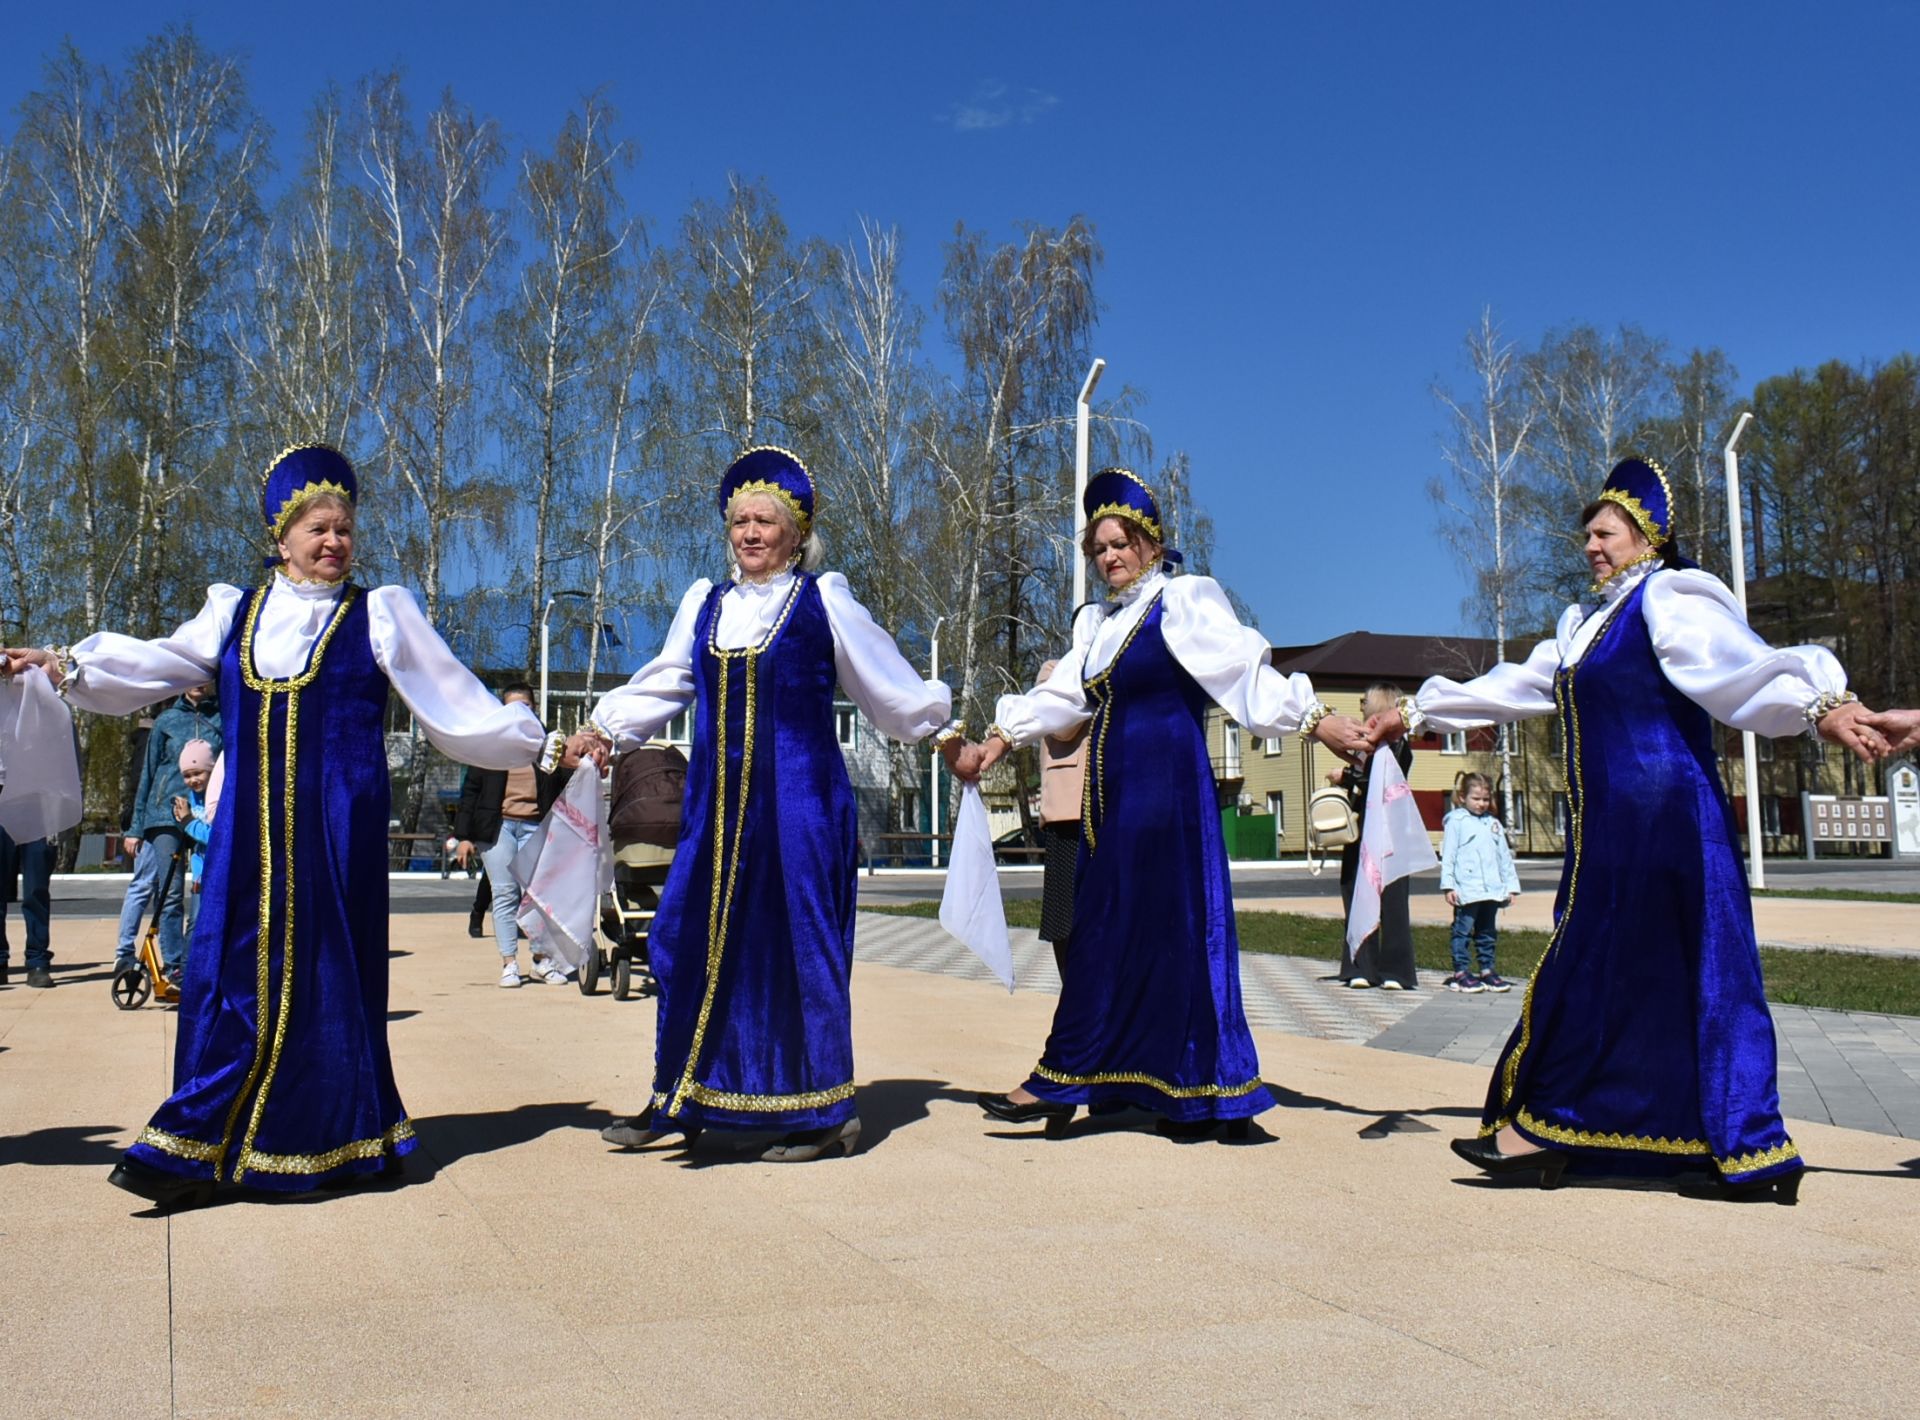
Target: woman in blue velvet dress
[
  {"x": 1644, "y": 1045},
  {"x": 282, "y": 1080},
  {"x": 1150, "y": 1015},
  {"x": 753, "y": 941}
]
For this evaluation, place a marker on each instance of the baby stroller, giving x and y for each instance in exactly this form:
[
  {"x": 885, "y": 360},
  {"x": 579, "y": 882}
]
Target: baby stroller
[
  {"x": 644, "y": 819},
  {"x": 132, "y": 987}
]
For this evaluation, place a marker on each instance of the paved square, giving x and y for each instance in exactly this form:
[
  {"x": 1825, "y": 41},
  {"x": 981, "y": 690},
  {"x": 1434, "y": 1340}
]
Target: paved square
[{"x": 950, "y": 1268}]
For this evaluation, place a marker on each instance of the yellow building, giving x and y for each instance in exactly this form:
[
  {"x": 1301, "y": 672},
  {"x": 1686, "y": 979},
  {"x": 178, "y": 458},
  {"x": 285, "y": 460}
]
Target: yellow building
[{"x": 1265, "y": 784}]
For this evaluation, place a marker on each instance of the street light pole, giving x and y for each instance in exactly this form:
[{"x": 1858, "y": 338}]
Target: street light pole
[
  {"x": 1082, "y": 414},
  {"x": 1736, "y": 540},
  {"x": 933, "y": 774},
  {"x": 544, "y": 615}
]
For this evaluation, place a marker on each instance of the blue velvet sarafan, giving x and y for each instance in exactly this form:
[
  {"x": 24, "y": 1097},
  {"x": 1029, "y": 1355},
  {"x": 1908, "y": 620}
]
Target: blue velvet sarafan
[
  {"x": 753, "y": 940},
  {"x": 1644, "y": 1044},
  {"x": 1150, "y": 1010},
  {"x": 281, "y": 1072}
]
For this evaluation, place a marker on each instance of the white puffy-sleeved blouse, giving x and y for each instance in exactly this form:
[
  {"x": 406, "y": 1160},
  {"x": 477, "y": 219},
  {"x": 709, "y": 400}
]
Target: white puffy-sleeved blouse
[
  {"x": 113, "y": 674},
  {"x": 873, "y": 673},
  {"x": 1228, "y": 660},
  {"x": 1705, "y": 648}
]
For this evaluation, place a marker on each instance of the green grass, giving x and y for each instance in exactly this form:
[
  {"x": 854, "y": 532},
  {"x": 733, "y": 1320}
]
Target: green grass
[{"x": 1837, "y": 981}]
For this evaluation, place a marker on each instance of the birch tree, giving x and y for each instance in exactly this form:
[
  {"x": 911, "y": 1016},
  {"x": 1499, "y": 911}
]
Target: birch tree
[
  {"x": 1489, "y": 424},
  {"x": 194, "y": 149},
  {"x": 554, "y": 334},
  {"x": 304, "y": 343},
  {"x": 67, "y": 186},
  {"x": 746, "y": 335},
  {"x": 1595, "y": 395},
  {"x": 438, "y": 238},
  {"x": 627, "y": 424},
  {"x": 874, "y": 477},
  {"x": 1020, "y": 316}
]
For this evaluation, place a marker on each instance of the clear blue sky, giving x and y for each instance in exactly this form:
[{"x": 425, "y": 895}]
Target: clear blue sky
[{"x": 1303, "y": 207}]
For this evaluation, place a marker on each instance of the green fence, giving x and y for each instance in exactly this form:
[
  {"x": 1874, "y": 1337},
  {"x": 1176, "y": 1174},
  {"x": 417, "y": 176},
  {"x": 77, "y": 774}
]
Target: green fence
[{"x": 1249, "y": 835}]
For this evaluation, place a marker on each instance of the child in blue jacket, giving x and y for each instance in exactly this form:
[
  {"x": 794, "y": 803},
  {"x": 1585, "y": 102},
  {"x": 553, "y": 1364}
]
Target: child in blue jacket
[{"x": 1478, "y": 877}]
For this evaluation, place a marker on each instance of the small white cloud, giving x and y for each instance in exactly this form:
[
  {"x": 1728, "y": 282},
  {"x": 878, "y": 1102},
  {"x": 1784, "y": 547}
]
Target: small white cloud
[{"x": 993, "y": 105}]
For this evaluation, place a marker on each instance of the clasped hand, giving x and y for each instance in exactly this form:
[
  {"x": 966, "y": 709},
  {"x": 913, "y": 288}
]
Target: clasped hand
[{"x": 585, "y": 744}]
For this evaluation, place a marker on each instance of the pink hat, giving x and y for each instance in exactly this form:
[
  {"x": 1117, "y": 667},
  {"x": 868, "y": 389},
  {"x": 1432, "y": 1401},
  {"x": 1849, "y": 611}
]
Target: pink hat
[{"x": 197, "y": 755}]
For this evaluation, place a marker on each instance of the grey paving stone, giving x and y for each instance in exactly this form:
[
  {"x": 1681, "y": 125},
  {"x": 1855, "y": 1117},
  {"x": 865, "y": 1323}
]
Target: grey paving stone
[{"x": 1854, "y": 1069}]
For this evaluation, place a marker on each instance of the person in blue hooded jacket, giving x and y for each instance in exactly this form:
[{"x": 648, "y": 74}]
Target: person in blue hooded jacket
[
  {"x": 154, "y": 838},
  {"x": 1477, "y": 875}
]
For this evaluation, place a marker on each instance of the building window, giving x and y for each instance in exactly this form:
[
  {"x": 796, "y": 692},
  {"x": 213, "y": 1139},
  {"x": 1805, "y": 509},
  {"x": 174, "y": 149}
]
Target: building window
[
  {"x": 845, "y": 725},
  {"x": 1273, "y": 746},
  {"x": 1517, "y": 828},
  {"x": 1762, "y": 750},
  {"x": 1560, "y": 824},
  {"x": 1230, "y": 738},
  {"x": 1769, "y": 814},
  {"x": 1554, "y": 737},
  {"x": 1453, "y": 742},
  {"x": 1277, "y": 806},
  {"x": 679, "y": 730}
]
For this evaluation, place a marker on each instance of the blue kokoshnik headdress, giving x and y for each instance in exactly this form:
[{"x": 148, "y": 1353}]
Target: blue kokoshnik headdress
[
  {"x": 1122, "y": 493},
  {"x": 1639, "y": 488},
  {"x": 776, "y": 472},
  {"x": 299, "y": 473}
]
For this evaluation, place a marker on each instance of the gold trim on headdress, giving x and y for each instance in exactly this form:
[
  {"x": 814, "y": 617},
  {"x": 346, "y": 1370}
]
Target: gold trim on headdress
[
  {"x": 305, "y": 491},
  {"x": 780, "y": 495},
  {"x": 303, "y": 495},
  {"x": 1133, "y": 515},
  {"x": 1637, "y": 510},
  {"x": 783, "y": 496}
]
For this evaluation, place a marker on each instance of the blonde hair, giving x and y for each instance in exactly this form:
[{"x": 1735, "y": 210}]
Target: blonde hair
[
  {"x": 1465, "y": 782},
  {"x": 810, "y": 551}
]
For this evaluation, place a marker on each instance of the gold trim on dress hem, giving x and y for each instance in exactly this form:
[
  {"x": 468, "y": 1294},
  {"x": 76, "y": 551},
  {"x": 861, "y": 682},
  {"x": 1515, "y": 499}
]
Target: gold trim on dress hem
[
  {"x": 333, "y": 1158},
  {"x": 767, "y": 1104},
  {"x": 179, "y": 1147},
  {"x": 1152, "y": 1082},
  {"x": 1526, "y": 1121}
]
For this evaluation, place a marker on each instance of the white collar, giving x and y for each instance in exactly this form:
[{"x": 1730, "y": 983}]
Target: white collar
[
  {"x": 1624, "y": 581},
  {"x": 1143, "y": 585},
  {"x": 777, "y": 584},
  {"x": 306, "y": 590}
]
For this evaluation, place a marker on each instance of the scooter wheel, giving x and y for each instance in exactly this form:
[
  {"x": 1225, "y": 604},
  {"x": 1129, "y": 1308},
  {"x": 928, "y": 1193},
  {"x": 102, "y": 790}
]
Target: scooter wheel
[{"x": 131, "y": 988}]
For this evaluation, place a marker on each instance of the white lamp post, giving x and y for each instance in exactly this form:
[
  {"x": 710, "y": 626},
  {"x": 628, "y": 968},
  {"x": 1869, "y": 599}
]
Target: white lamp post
[
  {"x": 1082, "y": 413},
  {"x": 933, "y": 775},
  {"x": 1736, "y": 537},
  {"x": 544, "y": 615}
]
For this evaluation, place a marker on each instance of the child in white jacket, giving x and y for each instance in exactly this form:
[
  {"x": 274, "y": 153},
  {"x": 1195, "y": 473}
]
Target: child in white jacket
[{"x": 1478, "y": 877}]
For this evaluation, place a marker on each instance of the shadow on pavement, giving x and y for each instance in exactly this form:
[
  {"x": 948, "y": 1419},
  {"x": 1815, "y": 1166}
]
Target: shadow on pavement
[
  {"x": 447, "y": 1137},
  {"x": 77, "y": 1144},
  {"x": 1390, "y": 1118},
  {"x": 1908, "y": 1169}
]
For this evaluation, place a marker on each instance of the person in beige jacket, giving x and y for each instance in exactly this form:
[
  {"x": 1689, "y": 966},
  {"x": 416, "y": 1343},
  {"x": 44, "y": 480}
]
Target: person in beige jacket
[{"x": 1063, "y": 776}]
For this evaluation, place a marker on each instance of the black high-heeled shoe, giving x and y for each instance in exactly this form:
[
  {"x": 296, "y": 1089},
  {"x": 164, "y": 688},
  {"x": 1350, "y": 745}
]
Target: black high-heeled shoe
[
  {"x": 1001, "y": 1107},
  {"x": 1485, "y": 1155},
  {"x": 160, "y": 1188},
  {"x": 1783, "y": 1188},
  {"x": 640, "y": 1131}
]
